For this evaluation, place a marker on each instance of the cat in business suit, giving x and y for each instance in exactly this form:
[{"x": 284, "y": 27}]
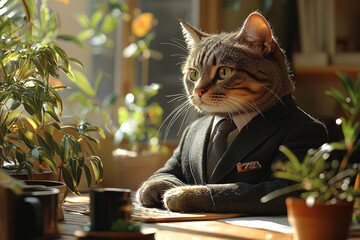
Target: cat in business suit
[{"x": 243, "y": 76}]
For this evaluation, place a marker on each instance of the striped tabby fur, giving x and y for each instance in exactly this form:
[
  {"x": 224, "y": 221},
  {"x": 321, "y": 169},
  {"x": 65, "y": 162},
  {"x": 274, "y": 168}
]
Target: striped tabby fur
[{"x": 259, "y": 72}]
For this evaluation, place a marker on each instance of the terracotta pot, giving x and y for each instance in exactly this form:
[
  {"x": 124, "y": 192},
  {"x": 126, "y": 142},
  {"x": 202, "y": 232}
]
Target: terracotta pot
[
  {"x": 53, "y": 184},
  {"x": 320, "y": 221},
  {"x": 45, "y": 175}
]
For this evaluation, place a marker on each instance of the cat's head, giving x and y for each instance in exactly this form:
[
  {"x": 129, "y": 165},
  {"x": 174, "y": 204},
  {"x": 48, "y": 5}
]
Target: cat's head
[{"x": 235, "y": 73}]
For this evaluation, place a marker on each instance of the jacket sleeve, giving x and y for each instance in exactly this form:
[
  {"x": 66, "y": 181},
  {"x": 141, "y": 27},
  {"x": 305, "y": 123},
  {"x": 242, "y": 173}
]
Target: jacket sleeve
[{"x": 244, "y": 197}]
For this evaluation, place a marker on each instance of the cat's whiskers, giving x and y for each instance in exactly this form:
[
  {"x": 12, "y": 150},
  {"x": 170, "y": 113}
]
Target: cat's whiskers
[
  {"x": 178, "y": 40},
  {"x": 178, "y": 55},
  {"x": 177, "y": 97},
  {"x": 237, "y": 107},
  {"x": 175, "y": 114},
  {"x": 239, "y": 113},
  {"x": 241, "y": 102},
  {"x": 184, "y": 118},
  {"x": 223, "y": 105},
  {"x": 179, "y": 46},
  {"x": 271, "y": 91}
]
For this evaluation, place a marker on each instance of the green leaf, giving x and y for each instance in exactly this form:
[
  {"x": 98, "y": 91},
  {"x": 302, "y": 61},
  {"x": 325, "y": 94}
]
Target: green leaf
[
  {"x": 64, "y": 149},
  {"x": 123, "y": 115},
  {"x": 83, "y": 20},
  {"x": 69, "y": 180},
  {"x": 338, "y": 145},
  {"x": 53, "y": 115},
  {"x": 109, "y": 24},
  {"x": 77, "y": 61},
  {"x": 90, "y": 147},
  {"x": 348, "y": 84},
  {"x": 97, "y": 81},
  {"x": 11, "y": 57},
  {"x": 50, "y": 141},
  {"x": 86, "y": 34},
  {"x": 96, "y": 169},
  {"x": 72, "y": 165},
  {"x": 78, "y": 175},
  {"x": 91, "y": 138},
  {"x": 83, "y": 83},
  {"x": 69, "y": 127},
  {"x": 45, "y": 145},
  {"x": 76, "y": 147},
  {"x": 281, "y": 192},
  {"x": 29, "y": 171},
  {"x": 288, "y": 176},
  {"x": 291, "y": 156},
  {"x": 339, "y": 97},
  {"x": 15, "y": 105},
  {"x": 12, "y": 117},
  {"x": 88, "y": 175},
  {"x": 79, "y": 96},
  {"x": 70, "y": 38},
  {"x": 44, "y": 157},
  {"x": 58, "y": 98},
  {"x": 31, "y": 9},
  {"x": 96, "y": 17},
  {"x": 31, "y": 137}
]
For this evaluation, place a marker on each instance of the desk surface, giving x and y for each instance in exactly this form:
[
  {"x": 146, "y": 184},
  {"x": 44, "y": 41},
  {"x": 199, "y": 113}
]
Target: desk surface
[{"x": 75, "y": 220}]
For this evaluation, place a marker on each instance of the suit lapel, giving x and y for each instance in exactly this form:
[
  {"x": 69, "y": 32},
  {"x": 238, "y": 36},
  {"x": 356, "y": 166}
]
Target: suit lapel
[
  {"x": 198, "y": 149},
  {"x": 249, "y": 138}
]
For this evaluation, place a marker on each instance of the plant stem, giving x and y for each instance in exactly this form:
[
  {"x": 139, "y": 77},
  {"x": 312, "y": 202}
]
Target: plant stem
[
  {"x": 346, "y": 158},
  {"x": 60, "y": 172},
  {"x": 145, "y": 68},
  {"x": 26, "y": 10}
]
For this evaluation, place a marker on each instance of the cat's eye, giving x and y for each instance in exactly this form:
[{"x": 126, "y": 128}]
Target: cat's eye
[
  {"x": 224, "y": 72},
  {"x": 194, "y": 75}
]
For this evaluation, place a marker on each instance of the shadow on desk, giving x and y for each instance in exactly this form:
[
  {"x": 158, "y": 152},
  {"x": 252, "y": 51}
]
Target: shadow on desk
[{"x": 76, "y": 211}]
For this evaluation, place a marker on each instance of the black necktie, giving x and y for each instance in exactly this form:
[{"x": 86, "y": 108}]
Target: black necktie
[{"x": 219, "y": 144}]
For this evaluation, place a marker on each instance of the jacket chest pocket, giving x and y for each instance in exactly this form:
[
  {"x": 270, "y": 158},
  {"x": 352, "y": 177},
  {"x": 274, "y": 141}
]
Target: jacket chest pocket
[{"x": 251, "y": 173}]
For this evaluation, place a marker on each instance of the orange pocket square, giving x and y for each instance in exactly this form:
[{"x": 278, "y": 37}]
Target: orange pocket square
[{"x": 243, "y": 167}]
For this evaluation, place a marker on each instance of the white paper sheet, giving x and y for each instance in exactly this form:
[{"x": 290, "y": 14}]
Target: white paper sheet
[{"x": 273, "y": 223}]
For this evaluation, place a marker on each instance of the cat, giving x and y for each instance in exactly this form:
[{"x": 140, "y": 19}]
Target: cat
[{"x": 244, "y": 76}]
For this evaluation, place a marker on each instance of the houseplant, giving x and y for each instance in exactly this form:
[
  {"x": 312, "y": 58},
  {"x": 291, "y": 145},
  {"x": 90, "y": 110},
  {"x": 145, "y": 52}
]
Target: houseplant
[
  {"x": 135, "y": 128},
  {"x": 325, "y": 184},
  {"x": 140, "y": 152},
  {"x": 32, "y": 135}
]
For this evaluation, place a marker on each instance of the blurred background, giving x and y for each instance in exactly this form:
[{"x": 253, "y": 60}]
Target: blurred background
[
  {"x": 319, "y": 37},
  {"x": 305, "y": 29}
]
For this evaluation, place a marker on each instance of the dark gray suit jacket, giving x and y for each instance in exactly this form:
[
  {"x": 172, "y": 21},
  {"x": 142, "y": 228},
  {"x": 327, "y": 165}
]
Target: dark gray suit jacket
[{"x": 233, "y": 191}]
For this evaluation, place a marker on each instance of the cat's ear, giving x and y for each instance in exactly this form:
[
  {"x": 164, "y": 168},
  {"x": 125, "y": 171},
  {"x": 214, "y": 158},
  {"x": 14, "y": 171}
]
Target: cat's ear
[
  {"x": 256, "y": 30},
  {"x": 191, "y": 35}
]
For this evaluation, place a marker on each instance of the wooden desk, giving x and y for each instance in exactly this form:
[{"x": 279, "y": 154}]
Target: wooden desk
[{"x": 177, "y": 230}]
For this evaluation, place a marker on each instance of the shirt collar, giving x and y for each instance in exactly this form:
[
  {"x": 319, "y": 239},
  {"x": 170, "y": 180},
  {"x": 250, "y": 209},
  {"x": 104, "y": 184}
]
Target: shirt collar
[{"x": 240, "y": 120}]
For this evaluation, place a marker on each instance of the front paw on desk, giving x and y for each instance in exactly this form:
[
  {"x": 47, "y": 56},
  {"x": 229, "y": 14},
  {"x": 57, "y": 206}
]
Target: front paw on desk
[{"x": 189, "y": 199}]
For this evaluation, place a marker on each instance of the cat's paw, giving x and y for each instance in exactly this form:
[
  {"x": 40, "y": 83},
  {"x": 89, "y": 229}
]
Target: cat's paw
[
  {"x": 189, "y": 199},
  {"x": 151, "y": 192}
]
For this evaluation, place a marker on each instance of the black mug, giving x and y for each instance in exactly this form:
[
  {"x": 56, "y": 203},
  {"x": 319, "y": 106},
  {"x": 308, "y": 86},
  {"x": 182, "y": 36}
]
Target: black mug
[
  {"x": 107, "y": 205},
  {"x": 29, "y": 215}
]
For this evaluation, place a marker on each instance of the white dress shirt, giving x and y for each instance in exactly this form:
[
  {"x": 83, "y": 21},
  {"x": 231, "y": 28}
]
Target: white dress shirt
[{"x": 240, "y": 120}]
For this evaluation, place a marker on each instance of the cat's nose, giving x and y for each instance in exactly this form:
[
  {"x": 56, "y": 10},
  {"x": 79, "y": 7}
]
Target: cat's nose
[{"x": 200, "y": 91}]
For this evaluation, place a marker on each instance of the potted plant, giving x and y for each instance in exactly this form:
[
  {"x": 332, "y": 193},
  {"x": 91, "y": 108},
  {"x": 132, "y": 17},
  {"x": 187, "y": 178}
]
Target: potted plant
[
  {"x": 135, "y": 129},
  {"x": 33, "y": 137},
  {"x": 325, "y": 184},
  {"x": 140, "y": 152}
]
